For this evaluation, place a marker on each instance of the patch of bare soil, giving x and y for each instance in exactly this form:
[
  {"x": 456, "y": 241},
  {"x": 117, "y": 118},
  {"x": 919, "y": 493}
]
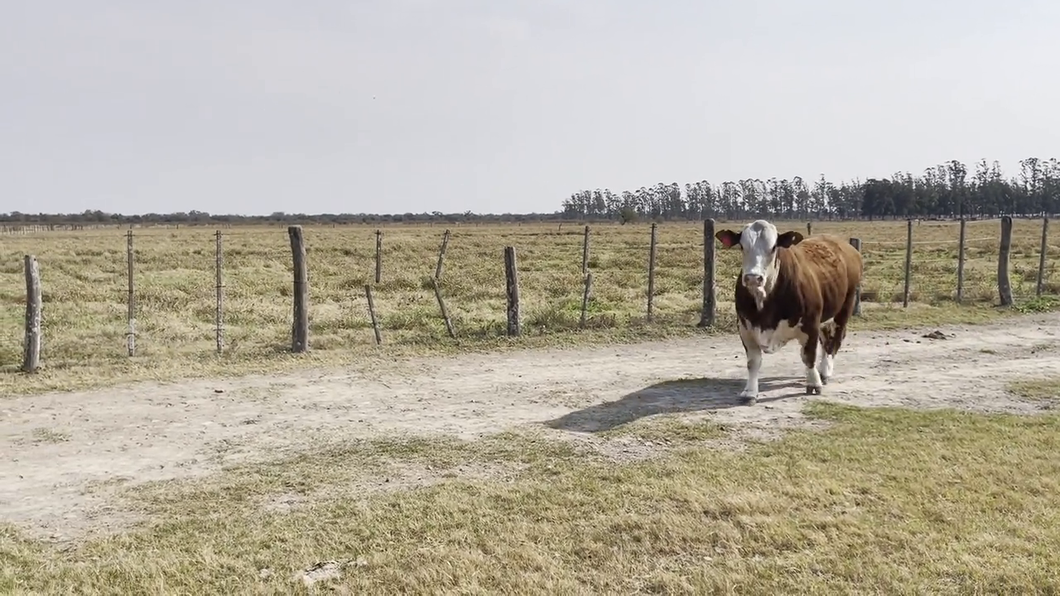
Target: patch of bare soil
[{"x": 61, "y": 454}]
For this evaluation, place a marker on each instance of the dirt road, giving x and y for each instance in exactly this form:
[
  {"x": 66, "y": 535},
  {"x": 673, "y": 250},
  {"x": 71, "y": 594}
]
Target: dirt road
[{"x": 53, "y": 446}]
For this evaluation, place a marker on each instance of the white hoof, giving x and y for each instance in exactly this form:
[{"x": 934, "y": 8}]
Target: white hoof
[
  {"x": 826, "y": 367},
  {"x": 814, "y": 383}
]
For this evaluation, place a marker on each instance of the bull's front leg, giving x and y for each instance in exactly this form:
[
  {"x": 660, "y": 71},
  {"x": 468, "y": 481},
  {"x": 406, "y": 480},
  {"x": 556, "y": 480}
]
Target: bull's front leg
[
  {"x": 749, "y": 394},
  {"x": 810, "y": 341}
]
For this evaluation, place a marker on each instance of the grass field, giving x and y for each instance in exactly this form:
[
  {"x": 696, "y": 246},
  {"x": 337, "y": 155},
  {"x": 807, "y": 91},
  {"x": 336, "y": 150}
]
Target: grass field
[
  {"x": 849, "y": 500},
  {"x": 883, "y": 500},
  {"x": 84, "y": 280}
]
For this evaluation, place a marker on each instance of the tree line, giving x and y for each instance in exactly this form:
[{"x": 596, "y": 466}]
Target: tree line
[{"x": 942, "y": 191}]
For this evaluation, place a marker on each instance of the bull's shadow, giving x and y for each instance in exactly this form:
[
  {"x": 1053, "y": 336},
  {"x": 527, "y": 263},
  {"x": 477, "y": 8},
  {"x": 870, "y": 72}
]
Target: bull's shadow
[{"x": 670, "y": 397}]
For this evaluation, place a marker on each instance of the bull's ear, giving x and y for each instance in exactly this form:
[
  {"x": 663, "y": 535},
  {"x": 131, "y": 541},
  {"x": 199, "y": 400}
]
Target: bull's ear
[
  {"x": 789, "y": 239},
  {"x": 728, "y": 238}
]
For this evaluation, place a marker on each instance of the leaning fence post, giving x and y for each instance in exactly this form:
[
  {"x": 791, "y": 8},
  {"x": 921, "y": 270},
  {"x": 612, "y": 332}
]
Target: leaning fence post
[
  {"x": 856, "y": 243},
  {"x": 511, "y": 276},
  {"x": 441, "y": 255},
  {"x": 445, "y": 312},
  {"x": 300, "y": 326},
  {"x": 371, "y": 314},
  {"x": 1004, "y": 286},
  {"x": 706, "y": 318},
  {"x": 31, "y": 353},
  {"x": 1041, "y": 256}
]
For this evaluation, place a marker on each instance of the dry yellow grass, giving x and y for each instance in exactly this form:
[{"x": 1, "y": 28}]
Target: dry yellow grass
[
  {"x": 884, "y": 500},
  {"x": 881, "y": 499},
  {"x": 84, "y": 284}
]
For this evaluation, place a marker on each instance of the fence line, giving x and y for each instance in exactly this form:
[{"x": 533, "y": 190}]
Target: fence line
[
  {"x": 920, "y": 242},
  {"x": 300, "y": 340}
]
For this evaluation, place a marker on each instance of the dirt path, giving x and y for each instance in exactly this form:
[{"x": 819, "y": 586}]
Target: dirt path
[{"x": 53, "y": 446}]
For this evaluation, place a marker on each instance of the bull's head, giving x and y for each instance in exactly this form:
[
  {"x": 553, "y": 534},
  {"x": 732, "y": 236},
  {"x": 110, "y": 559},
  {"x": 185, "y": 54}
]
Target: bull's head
[{"x": 759, "y": 242}]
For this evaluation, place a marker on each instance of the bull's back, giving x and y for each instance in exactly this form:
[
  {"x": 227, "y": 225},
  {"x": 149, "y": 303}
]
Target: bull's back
[{"x": 837, "y": 267}]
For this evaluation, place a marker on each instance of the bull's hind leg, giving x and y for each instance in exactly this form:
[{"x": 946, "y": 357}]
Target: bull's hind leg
[
  {"x": 832, "y": 336},
  {"x": 827, "y": 340}
]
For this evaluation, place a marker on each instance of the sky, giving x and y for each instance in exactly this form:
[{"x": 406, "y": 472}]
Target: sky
[{"x": 394, "y": 106}]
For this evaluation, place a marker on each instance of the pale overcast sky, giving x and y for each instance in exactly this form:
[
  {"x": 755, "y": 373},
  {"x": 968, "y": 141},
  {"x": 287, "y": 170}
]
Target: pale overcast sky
[{"x": 243, "y": 106}]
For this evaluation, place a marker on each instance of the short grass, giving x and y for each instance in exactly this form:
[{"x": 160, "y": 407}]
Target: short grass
[
  {"x": 666, "y": 429},
  {"x": 85, "y": 291},
  {"x": 880, "y": 501},
  {"x": 1040, "y": 389}
]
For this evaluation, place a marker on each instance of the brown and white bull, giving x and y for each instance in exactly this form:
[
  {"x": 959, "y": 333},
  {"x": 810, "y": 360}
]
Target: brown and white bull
[{"x": 793, "y": 288}]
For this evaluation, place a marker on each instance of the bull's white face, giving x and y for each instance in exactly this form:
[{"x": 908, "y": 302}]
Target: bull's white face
[{"x": 759, "y": 242}]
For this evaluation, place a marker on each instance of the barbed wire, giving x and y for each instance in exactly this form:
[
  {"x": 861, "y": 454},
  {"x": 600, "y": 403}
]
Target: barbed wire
[
  {"x": 915, "y": 242},
  {"x": 369, "y": 234},
  {"x": 600, "y": 246}
]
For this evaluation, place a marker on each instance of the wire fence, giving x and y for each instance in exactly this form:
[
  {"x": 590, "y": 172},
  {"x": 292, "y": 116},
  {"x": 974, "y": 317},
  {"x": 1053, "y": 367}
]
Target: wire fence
[{"x": 163, "y": 292}]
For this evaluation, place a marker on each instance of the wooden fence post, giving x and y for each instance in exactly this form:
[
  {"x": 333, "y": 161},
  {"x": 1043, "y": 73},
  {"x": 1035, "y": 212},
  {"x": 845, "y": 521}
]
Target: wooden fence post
[
  {"x": 809, "y": 228},
  {"x": 219, "y": 314},
  {"x": 31, "y": 349},
  {"x": 856, "y": 243},
  {"x": 960, "y": 262},
  {"x": 300, "y": 325},
  {"x": 1041, "y": 256},
  {"x": 511, "y": 275},
  {"x": 585, "y": 298},
  {"x": 585, "y": 252},
  {"x": 371, "y": 314},
  {"x": 441, "y": 255},
  {"x": 908, "y": 261},
  {"x": 651, "y": 273},
  {"x": 441, "y": 306},
  {"x": 1004, "y": 286},
  {"x": 706, "y": 318},
  {"x": 378, "y": 255},
  {"x": 130, "y": 337}
]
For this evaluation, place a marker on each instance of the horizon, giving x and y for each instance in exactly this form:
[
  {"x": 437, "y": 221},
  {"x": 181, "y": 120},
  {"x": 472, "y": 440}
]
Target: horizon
[{"x": 1039, "y": 189}]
